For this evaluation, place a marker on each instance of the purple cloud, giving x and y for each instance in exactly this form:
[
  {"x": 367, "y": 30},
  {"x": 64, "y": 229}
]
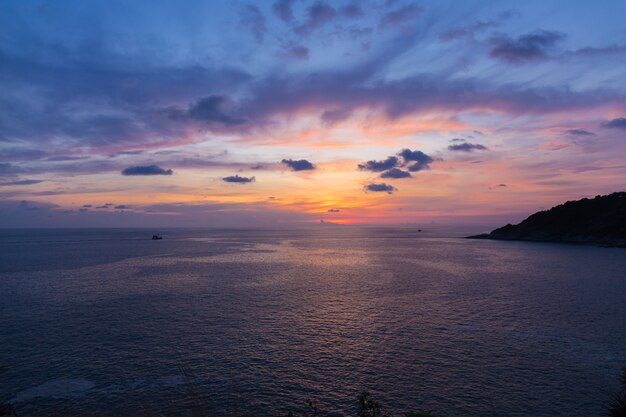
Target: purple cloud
[
  {"x": 146, "y": 170},
  {"x": 283, "y": 9},
  {"x": 467, "y": 147},
  {"x": 579, "y": 132},
  {"x": 20, "y": 182},
  {"x": 380, "y": 188},
  {"x": 378, "y": 166},
  {"x": 618, "y": 123},
  {"x": 529, "y": 47},
  {"x": 395, "y": 173},
  {"x": 238, "y": 179},
  {"x": 400, "y": 15},
  {"x": 299, "y": 165},
  {"x": 318, "y": 15},
  {"x": 298, "y": 52}
]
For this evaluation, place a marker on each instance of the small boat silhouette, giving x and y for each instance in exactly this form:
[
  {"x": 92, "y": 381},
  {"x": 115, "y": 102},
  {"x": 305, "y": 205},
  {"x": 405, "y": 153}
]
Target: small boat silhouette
[{"x": 157, "y": 237}]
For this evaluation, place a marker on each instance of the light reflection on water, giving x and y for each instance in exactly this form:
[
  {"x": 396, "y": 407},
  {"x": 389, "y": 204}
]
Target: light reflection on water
[{"x": 263, "y": 319}]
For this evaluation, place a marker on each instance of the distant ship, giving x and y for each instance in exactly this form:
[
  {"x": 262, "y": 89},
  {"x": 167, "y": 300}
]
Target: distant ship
[{"x": 157, "y": 237}]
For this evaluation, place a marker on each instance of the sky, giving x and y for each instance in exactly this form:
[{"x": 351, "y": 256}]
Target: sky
[{"x": 296, "y": 112}]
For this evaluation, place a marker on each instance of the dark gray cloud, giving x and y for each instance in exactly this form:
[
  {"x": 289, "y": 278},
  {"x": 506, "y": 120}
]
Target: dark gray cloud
[
  {"x": 412, "y": 160},
  {"x": 238, "y": 179},
  {"x": 400, "y": 15},
  {"x": 395, "y": 173},
  {"x": 529, "y": 47},
  {"x": 253, "y": 20},
  {"x": 467, "y": 147},
  {"x": 378, "y": 166},
  {"x": 298, "y": 165},
  {"x": 87, "y": 205},
  {"x": 334, "y": 210},
  {"x": 147, "y": 170},
  {"x": 20, "y": 182},
  {"x": 579, "y": 132},
  {"x": 122, "y": 207},
  {"x": 415, "y": 160},
  {"x": 619, "y": 123},
  {"x": 211, "y": 110},
  {"x": 283, "y": 9},
  {"x": 502, "y": 185},
  {"x": 318, "y": 15},
  {"x": 380, "y": 188}
]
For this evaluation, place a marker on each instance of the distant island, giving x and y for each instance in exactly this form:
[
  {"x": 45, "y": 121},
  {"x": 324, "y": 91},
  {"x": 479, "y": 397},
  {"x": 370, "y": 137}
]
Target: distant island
[{"x": 599, "y": 221}]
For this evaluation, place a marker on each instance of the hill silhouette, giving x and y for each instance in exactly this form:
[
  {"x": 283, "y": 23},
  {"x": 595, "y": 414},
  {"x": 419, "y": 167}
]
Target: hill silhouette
[{"x": 601, "y": 221}]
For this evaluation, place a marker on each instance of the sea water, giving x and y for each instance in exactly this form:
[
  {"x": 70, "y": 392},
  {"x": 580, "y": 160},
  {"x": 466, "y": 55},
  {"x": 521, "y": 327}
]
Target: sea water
[{"x": 253, "y": 322}]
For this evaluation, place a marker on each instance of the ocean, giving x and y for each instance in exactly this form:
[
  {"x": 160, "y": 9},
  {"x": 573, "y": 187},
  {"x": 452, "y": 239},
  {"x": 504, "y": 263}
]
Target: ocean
[{"x": 253, "y": 322}]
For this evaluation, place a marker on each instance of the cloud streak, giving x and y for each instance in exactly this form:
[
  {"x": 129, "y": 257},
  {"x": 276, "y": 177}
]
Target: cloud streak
[
  {"x": 380, "y": 188},
  {"x": 529, "y": 47},
  {"x": 146, "y": 170},
  {"x": 238, "y": 180}
]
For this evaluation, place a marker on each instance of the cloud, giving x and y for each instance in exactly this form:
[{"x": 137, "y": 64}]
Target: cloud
[
  {"x": 252, "y": 19},
  {"x": 420, "y": 160},
  {"x": 502, "y": 185},
  {"x": 147, "y": 170},
  {"x": 238, "y": 179},
  {"x": 87, "y": 205},
  {"x": 400, "y": 15},
  {"x": 472, "y": 29},
  {"x": 382, "y": 187},
  {"x": 413, "y": 161},
  {"x": 395, "y": 173},
  {"x": 20, "y": 182},
  {"x": 579, "y": 132},
  {"x": 619, "y": 123},
  {"x": 298, "y": 52},
  {"x": 211, "y": 110},
  {"x": 467, "y": 147},
  {"x": 318, "y": 15},
  {"x": 283, "y": 9},
  {"x": 334, "y": 210},
  {"x": 299, "y": 165},
  {"x": 467, "y": 31},
  {"x": 122, "y": 207},
  {"x": 351, "y": 10},
  {"x": 331, "y": 117},
  {"x": 378, "y": 166},
  {"x": 20, "y": 154},
  {"x": 532, "y": 46}
]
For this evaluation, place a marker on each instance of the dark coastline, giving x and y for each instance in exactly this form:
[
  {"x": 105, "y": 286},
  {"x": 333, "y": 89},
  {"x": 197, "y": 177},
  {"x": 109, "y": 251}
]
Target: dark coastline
[{"x": 600, "y": 221}]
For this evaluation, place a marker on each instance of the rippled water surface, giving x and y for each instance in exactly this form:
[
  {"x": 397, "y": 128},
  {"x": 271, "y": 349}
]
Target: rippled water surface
[{"x": 252, "y": 322}]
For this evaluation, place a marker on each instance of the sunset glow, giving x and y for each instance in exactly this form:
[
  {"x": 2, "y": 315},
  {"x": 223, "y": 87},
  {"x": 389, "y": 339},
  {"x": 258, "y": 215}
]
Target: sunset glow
[{"x": 112, "y": 121}]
